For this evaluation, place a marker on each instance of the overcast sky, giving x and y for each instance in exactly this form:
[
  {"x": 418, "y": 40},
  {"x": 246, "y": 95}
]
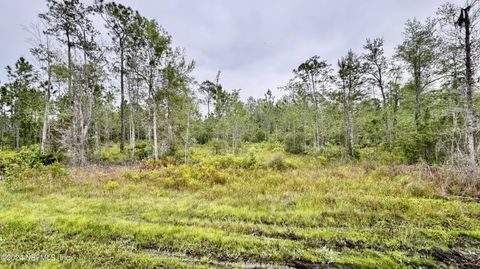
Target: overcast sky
[{"x": 256, "y": 43}]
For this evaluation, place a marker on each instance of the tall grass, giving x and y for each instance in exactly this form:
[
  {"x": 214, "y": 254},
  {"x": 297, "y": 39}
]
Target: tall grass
[{"x": 264, "y": 208}]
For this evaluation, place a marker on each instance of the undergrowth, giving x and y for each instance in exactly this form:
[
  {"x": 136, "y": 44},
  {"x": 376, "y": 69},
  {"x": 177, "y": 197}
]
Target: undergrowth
[{"x": 262, "y": 209}]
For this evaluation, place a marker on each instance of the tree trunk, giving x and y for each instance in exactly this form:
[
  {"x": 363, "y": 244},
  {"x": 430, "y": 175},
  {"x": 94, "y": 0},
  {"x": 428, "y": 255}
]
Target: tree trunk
[
  {"x": 132, "y": 136},
  {"x": 97, "y": 139},
  {"x": 394, "y": 113},
  {"x": 122, "y": 100},
  {"x": 346, "y": 121},
  {"x": 187, "y": 138},
  {"x": 155, "y": 138},
  {"x": 46, "y": 112},
  {"x": 418, "y": 90},
  {"x": 69, "y": 59},
  {"x": 469, "y": 77},
  {"x": 350, "y": 131},
  {"x": 17, "y": 136}
]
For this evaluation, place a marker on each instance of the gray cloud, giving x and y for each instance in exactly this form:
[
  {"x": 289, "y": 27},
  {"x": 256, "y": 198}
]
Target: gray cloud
[{"x": 256, "y": 44}]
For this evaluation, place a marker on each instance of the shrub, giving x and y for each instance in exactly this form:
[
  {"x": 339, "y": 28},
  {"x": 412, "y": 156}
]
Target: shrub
[
  {"x": 222, "y": 162},
  {"x": 381, "y": 156},
  {"x": 131, "y": 175},
  {"x": 295, "y": 144},
  {"x": 217, "y": 146},
  {"x": 418, "y": 146},
  {"x": 193, "y": 176},
  {"x": 258, "y": 136},
  {"x": 111, "y": 185},
  {"x": 278, "y": 162},
  {"x": 113, "y": 155},
  {"x": 6, "y": 158},
  {"x": 44, "y": 178},
  {"x": 142, "y": 150},
  {"x": 249, "y": 161},
  {"x": 321, "y": 160},
  {"x": 156, "y": 164},
  {"x": 13, "y": 164},
  {"x": 56, "y": 170},
  {"x": 332, "y": 152}
]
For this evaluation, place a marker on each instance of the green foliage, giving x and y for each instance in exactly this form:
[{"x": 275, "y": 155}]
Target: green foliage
[
  {"x": 41, "y": 178},
  {"x": 279, "y": 162},
  {"x": 142, "y": 150},
  {"x": 332, "y": 152},
  {"x": 6, "y": 158},
  {"x": 20, "y": 169},
  {"x": 249, "y": 161},
  {"x": 217, "y": 146},
  {"x": 214, "y": 213},
  {"x": 417, "y": 147},
  {"x": 111, "y": 186},
  {"x": 321, "y": 160},
  {"x": 112, "y": 155},
  {"x": 156, "y": 164},
  {"x": 295, "y": 143},
  {"x": 381, "y": 156}
]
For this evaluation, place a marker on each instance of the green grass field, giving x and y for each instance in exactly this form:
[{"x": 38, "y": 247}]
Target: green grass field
[{"x": 260, "y": 210}]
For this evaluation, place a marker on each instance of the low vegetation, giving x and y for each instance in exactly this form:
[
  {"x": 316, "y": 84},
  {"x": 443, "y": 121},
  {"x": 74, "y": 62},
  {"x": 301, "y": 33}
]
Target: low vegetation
[{"x": 260, "y": 209}]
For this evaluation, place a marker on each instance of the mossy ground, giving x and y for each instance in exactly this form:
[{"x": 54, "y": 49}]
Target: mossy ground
[{"x": 261, "y": 210}]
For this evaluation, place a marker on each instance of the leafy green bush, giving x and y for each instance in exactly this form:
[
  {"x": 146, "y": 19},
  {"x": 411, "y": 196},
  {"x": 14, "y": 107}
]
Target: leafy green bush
[
  {"x": 249, "y": 161},
  {"x": 6, "y": 158},
  {"x": 193, "y": 176},
  {"x": 418, "y": 147},
  {"x": 20, "y": 168},
  {"x": 29, "y": 156},
  {"x": 295, "y": 144},
  {"x": 321, "y": 160},
  {"x": 112, "y": 155},
  {"x": 381, "y": 156},
  {"x": 142, "y": 150},
  {"x": 332, "y": 152},
  {"x": 278, "y": 162},
  {"x": 42, "y": 177},
  {"x": 217, "y": 146},
  {"x": 111, "y": 186}
]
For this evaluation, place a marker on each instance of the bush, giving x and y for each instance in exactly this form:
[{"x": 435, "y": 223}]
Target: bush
[
  {"x": 17, "y": 169},
  {"x": 332, "y": 152},
  {"x": 111, "y": 186},
  {"x": 56, "y": 170},
  {"x": 249, "y": 161},
  {"x": 6, "y": 158},
  {"x": 381, "y": 156},
  {"x": 418, "y": 147},
  {"x": 217, "y": 146},
  {"x": 113, "y": 155},
  {"x": 156, "y": 164},
  {"x": 142, "y": 150},
  {"x": 321, "y": 160},
  {"x": 295, "y": 144},
  {"x": 40, "y": 178},
  {"x": 193, "y": 176},
  {"x": 278, "y": 162}
]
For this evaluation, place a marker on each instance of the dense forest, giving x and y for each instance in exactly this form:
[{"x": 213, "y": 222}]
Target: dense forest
[{"x": 87, "y": 88}]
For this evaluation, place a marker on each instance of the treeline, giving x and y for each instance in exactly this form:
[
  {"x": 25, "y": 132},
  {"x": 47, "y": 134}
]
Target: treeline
[{"x": 136, "y": 90}]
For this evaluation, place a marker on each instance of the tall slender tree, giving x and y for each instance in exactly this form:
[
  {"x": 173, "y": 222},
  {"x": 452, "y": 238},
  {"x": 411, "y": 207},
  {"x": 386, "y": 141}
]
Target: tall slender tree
[
  {"x": 376, "y": 67},
  {"x": 419, "y": 52},
  {"x": 119, "y": 20},
  {"x": 465, "y": 22},
  {"x": 351, "y": 73}
]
